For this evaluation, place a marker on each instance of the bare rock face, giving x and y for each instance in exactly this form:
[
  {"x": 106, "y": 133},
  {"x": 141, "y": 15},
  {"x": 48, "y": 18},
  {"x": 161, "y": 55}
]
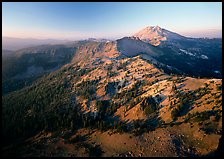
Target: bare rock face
[{"x": 132, "y": 46}]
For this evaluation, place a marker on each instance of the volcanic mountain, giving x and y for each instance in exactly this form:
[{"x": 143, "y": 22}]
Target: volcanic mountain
[{"x": 155, "y": 34}]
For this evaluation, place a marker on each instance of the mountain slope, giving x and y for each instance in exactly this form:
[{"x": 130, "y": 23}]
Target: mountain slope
[
  {"x": 185, "y": 54},
  {"x": 23, "y": 67},
  {"x": 120, "y": 98},
  {"x": 130, "y": 46},
  {"x": 177, "y": 54},
  {"x": 128, "y": 95}
]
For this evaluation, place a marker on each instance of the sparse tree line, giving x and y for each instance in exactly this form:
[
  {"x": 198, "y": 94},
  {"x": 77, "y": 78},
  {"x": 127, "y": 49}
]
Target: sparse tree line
[
  {"x": 47, "y": 105},
  {"x": 149, "y": 105},
  {"x": 127, "y": 96},
  {"x": 185, "y": 100}
]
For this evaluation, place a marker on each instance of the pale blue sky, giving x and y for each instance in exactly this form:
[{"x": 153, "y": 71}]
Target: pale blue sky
[{"x": 73, "y": 20}]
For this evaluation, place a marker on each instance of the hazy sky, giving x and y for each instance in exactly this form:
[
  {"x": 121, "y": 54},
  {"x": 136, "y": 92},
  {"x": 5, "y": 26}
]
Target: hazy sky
[{"x": 76, "y": 20}]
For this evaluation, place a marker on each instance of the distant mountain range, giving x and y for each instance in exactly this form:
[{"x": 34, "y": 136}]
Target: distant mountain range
[
  {"x": 10, "y": 43},
  {"x": 13, "y": 44}
]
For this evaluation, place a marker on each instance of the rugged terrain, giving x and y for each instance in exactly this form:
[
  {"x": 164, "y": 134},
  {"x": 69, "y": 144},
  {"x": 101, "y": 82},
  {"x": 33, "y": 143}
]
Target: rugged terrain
[
  {"x": 174, "y": 54},
  {"x": 116, "y": 98}
]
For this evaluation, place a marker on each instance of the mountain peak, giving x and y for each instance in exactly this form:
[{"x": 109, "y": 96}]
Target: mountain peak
[
  {"x": 157, "y": 27},
  {"x": 155, "y": 34},
  {"x": 153, "y": 28}
]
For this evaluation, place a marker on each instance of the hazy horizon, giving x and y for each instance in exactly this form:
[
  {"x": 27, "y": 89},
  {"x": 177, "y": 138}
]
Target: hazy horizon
[{"x": 110, "y": 20}]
